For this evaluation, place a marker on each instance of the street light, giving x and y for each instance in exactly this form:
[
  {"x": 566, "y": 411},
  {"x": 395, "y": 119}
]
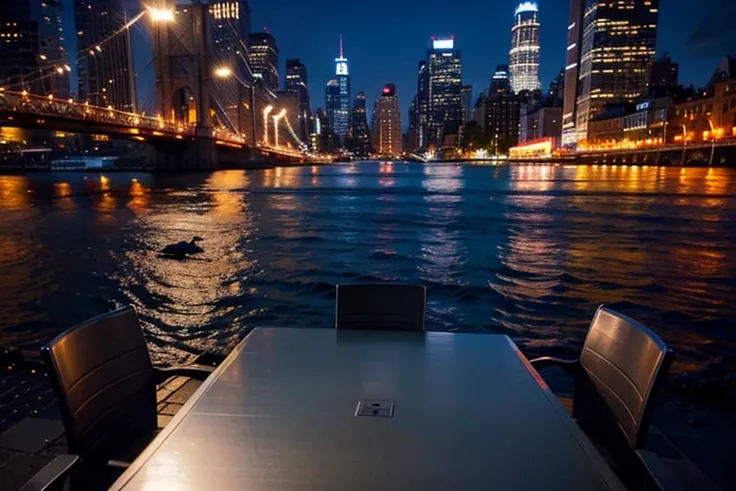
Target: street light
[
  {"x": 276, "y": 120},
  {"x": 223, "y": 72},
  {"x": 161, "y": 14}
]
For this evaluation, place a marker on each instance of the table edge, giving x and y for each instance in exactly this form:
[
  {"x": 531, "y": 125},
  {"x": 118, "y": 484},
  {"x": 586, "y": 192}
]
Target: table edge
[{"x": 157, "y": 442}]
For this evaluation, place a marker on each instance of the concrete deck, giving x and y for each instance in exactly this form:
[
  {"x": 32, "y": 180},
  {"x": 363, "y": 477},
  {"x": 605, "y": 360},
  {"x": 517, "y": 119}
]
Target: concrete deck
[{"x": 27, "y": 401}]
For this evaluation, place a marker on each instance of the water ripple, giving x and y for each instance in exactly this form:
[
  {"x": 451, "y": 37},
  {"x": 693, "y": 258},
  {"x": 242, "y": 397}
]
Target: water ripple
[{"x": 526, "y": 251}]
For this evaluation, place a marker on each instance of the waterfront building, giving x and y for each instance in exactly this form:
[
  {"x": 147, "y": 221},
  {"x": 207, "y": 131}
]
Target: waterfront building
[
  {"x": 263, "y": 57},
  {"x": 543, "y": 122},
  {"x": 445, "y": 99},
  {"x": 524, "y": 53},
  {"x": 388, "y": 119},
  {"x": 340, "y": 118},
  {"x": 360, "y": 135},
  {"x": 32, "y": 48},
  {"x": 712, "y": 114},
  {"x": 529, "y": 102},
  {"x": 296, "y": 81},
  {"x": 617, "y": 48}
]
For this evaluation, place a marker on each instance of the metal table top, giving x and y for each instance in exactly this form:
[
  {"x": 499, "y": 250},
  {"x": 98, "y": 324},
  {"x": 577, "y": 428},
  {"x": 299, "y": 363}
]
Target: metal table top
[{"x": 444, "y": 411}]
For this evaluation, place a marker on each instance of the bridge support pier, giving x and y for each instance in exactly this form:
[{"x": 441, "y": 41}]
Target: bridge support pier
[{"x": 193, "y": 155}]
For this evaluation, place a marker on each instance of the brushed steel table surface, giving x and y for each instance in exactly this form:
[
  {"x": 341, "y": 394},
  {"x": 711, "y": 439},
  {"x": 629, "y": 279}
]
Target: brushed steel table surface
[{"x": 280, "y": 414}]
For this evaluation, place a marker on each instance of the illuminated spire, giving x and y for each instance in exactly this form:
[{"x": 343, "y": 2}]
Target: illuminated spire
[{"x": 341, "y": 62}]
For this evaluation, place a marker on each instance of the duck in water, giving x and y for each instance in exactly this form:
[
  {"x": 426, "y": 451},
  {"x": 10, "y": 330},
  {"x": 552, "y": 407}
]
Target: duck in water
[{"x": 183, "y": 249}]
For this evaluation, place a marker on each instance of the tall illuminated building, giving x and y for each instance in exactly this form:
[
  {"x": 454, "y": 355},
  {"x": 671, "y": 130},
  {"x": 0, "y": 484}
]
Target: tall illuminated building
[
  {"x": 445, "y": 98},
  {"x": 422, "y": 104},
  {"x": 32, "y": 55},
  {"x": 617, "y": 48},
  {"x": 263, "y": 57},
  {"x": 502, "y": 112},
  {"x": 388, "y": 122},
  {"x": 572, "y": 70},
  {"x": 296, "y": 81},
  {"x": 524, "y": 53},
  {"x": 360, "y": 135},
  {"x": 467, "y": 92},
  {"x": 332, "y": 103},
  {"x": 232, "y": 24},
  {"x": 341, "y": 115}
]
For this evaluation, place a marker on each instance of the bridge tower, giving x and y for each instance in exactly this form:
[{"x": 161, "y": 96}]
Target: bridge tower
[{"x": 182, "y": 48}]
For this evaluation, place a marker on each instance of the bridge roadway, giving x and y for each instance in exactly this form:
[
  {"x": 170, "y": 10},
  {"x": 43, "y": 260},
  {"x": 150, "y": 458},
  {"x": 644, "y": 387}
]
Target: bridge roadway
[{"x": 174, "y": 139}]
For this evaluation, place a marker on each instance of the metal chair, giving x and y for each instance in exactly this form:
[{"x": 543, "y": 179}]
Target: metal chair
[
  {"x": 621, "y": 370},
  {"x": 105, "y": 384},
  {"x": 381, "y": 307}
]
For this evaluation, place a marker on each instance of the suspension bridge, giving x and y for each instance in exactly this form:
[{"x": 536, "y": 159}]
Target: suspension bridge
[{"x": 211, "y": 110}]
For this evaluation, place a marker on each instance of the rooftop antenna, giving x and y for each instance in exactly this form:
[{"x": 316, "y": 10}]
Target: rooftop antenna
[{"x": 341, "y": 50}]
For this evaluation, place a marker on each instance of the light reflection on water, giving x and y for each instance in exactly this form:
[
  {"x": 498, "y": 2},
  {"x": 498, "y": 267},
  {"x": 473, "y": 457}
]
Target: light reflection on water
[{"x": 528, "y": 251}]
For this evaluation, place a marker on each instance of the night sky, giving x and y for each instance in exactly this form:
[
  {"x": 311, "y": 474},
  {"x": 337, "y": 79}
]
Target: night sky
[{"x": 385, "y": 39}]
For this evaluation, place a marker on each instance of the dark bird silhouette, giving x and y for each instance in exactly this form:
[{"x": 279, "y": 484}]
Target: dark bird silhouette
[{"x": 182, "y": 249}]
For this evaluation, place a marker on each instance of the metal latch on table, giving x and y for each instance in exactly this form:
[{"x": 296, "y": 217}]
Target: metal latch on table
[{"x": 379, "y": 409}]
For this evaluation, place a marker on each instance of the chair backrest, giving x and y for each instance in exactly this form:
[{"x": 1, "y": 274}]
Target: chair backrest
[
  {"x": 381, "y": 307},
  {"x": 104, "y": 381},
  {"x": 626, "y": 365}
]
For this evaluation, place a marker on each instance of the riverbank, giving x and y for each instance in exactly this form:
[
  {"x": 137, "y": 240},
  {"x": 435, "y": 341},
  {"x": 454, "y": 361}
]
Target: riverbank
[{"x": 251, "y": 165}]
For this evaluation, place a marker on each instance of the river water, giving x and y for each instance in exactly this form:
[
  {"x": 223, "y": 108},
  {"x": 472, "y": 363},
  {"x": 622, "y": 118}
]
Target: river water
[{"x": 528, "y": 251}]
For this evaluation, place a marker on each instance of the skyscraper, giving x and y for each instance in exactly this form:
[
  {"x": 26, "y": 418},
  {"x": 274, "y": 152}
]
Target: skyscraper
[
  {"x": 502, "y": 112},
  {"x": 663, "y": 76},
  {"x": 388, "y": 120},
  {"x": 32, "y": 51},
  {"x": 296, "y": 81},
  {"x": 341, "y": 117},
  {"x": 105, "y": 76},
  {"x": 232, "y": 18},
  {"x": 264, "y": 58},
  {"x": 524, "y": 54},
  {"x": 332, "y": 103},
  {"x": 412, "y": 142},
  {"x": 572, "y": 70},
  {"x": 360, "y": 135},
  {"x": 445, "y": 100},
  {"x": 422, "y": 104},
  {"x": 500, "y": 80},
  {"x": 467, "y": 92},
  {"x": 618, "y": 41}
]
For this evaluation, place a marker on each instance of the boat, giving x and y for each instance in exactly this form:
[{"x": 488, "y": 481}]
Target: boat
[{"x": 83, "y": 163}]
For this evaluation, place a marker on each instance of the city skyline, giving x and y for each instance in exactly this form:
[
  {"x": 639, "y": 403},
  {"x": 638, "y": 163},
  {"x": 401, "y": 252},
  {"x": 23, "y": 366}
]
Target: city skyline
[{"x": 688, "y": 32}]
